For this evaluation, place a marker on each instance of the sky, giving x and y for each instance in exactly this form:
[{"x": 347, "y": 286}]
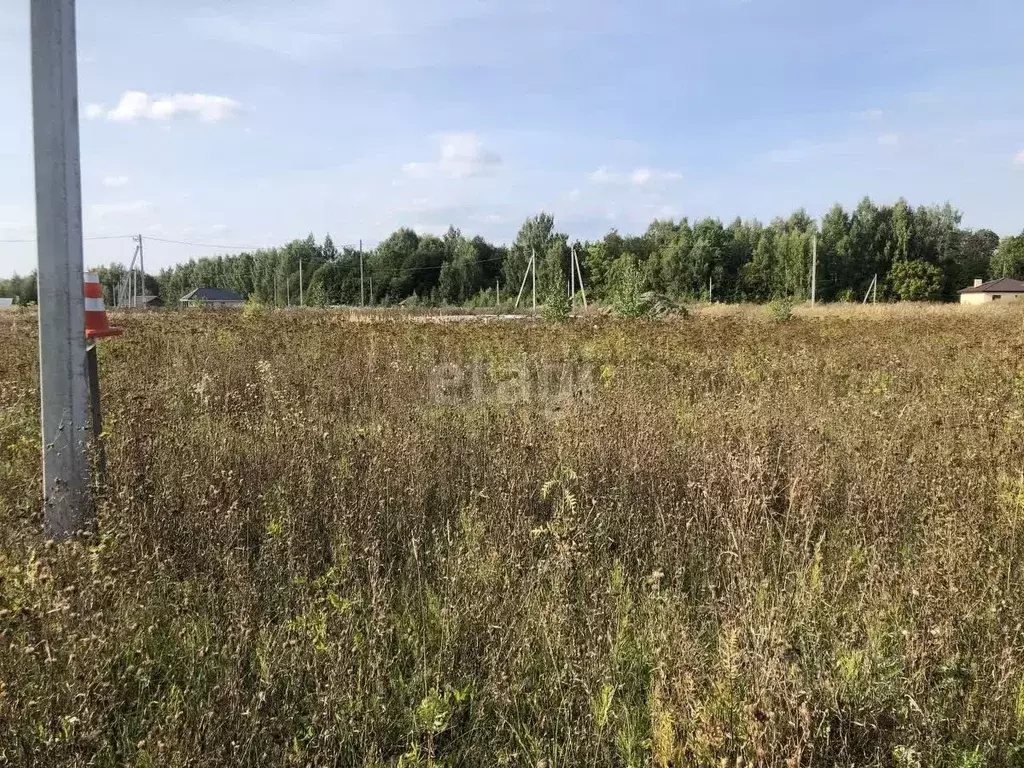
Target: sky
[{"x": 239, "y": 124}]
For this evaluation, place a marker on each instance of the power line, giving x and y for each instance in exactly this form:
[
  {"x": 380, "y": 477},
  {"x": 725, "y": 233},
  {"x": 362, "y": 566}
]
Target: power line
[
  {"x": 211, "y": 245},
  {"x": 99, "y": 237}
]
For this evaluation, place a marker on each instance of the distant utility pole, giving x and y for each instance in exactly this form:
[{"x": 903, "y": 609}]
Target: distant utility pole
[
  {"x": 572, "y": 277},
  {"x": 497, "y": 293},
  {"x": 873, "y": 288},
  {"x": 142, "y": 270},
  {"x": 526, "y": 275},
  {"x": 62, "y": 374},
  {"x": 362, "y": 294},
  {"x": 814, "y": 269},
  {"x": 533, "y": 260},
  {"x": 302, "y": 300},
  {"x": 711, "y": 289},
  {"x": 579, "y": 276}
]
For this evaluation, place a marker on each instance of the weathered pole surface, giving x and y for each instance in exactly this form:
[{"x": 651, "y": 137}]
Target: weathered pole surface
[{"x": 63, "y": 389}]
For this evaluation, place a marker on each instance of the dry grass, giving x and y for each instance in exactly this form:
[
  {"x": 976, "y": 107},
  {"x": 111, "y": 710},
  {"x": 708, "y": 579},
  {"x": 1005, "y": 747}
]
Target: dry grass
[{"x": 720, "y": 541}]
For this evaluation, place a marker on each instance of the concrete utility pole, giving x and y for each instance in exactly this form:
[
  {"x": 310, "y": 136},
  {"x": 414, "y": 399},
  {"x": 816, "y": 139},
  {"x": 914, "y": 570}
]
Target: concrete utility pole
[
  {"x": 362, "y": 293},
  {"x": 62, "y": 374},
  {"x": 579, "y": 277},
  {"x": 814, "y": 269},
  {"x": 302, "y": 300},
  {"x": 142, "y": 271},
  {"x": 497, "y": 293},
  {"x": 522, "y": 287},
  {"x": 533, "y": 261},
  {"x": 572, "y": 277}
]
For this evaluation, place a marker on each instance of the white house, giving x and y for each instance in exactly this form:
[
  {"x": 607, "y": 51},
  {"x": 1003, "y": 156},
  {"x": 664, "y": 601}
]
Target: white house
[{"x": 1003, "y": 289}]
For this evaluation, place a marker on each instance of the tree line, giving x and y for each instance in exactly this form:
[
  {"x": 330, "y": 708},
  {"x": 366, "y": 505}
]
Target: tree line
[{"x": 911, "y": 254}]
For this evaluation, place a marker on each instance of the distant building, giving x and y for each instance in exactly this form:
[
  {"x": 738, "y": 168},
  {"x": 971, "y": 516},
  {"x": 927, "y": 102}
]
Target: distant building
[
  {"x": 6, "y": 303},
  {"x": 214, "y": 298},
  {"x": 1003, "y": 289},
  {"x": 145, "y": 302}
]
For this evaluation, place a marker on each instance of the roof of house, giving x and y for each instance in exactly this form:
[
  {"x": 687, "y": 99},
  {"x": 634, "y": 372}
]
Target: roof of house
[
  {"x": 6, "y": 302},
  {"x": 1002, "y": 285},
  {"x": 212, "y": 294}
]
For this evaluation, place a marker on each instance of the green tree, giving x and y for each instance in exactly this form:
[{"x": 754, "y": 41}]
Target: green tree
[
  {"x": 1008, "y": 260},
  {"x": 537, "y": 237},
  {"x": 328, "y": 252},
  {"x": 836, "y": 272},
  {"x": 915, "y": 280}
]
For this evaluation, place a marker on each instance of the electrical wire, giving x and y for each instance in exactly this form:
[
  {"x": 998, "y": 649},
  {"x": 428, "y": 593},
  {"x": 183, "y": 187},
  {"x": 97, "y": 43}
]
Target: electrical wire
[
  {"x": 98, "y": 237},
  {"x": 211, "y": 245}
]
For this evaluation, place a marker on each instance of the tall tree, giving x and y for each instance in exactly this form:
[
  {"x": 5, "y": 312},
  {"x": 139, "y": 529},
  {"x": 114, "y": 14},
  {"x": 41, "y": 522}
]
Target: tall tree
[{"x": 1008, "y": 260}]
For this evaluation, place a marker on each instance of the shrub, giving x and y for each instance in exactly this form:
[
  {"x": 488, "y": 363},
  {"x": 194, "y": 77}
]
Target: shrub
[
  {"x": 557, "y": 305},
  {"x": 780, "y": 309}
]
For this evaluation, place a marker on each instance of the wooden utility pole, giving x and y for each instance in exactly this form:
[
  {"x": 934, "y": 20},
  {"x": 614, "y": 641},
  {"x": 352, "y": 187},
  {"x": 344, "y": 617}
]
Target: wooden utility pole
[{"x": 62, "y": 360}]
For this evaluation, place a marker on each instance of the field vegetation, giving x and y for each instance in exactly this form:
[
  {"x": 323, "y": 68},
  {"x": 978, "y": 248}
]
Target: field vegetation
[{"x": 742, "y": 537}]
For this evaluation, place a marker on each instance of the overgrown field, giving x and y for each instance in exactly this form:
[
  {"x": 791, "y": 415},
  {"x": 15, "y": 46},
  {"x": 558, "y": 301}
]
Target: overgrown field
[{"x": 719, "y": 541}]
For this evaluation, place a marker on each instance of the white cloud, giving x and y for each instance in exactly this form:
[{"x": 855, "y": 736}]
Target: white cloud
[
  {"x": 115, "y": 181},
  {"x": 103, "y": 210},
  {"x": 643, "y": 177},
  {"x": 638, "y": 177},
  {"x": 462, "y": 155},
  {"x": 1018, "y": 161},
  {"x": 889, "y": 139},
  {"x": 871, "y": 114},
  {"x": 139, "y": 105}
]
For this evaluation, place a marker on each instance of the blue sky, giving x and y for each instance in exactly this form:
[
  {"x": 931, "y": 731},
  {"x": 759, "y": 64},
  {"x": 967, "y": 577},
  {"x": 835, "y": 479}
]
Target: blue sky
[{"x": 251, "y": 123}]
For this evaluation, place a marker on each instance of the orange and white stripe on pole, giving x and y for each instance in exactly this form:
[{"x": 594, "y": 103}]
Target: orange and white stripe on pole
[{"x": 96, "y": 324}]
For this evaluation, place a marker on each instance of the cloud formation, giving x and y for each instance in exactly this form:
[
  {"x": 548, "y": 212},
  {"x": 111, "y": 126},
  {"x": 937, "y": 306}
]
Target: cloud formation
[
  {"x": 139, "y": 105},
  {"x": 462, "y": 155},
  {"x": 638, "y": 177},
  {"x": 889, "y": 140},
  {"x": 115, "y": 181},
  {"x": 1018, "y": 161}
]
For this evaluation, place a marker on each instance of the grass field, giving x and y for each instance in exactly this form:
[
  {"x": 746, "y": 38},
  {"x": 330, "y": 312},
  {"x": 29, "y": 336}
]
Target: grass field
[{"x": 718, "y": 541}]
